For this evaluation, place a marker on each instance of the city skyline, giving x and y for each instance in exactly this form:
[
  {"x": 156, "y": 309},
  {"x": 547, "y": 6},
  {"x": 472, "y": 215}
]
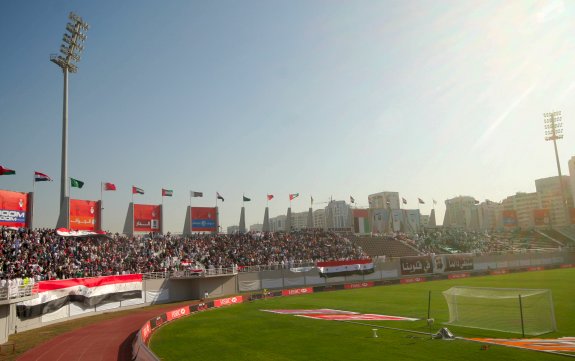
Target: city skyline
[{"x": 326, "y": 99}]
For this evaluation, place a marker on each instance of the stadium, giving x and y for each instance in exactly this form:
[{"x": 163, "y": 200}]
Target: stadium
[{"x": 287, "y": 181}]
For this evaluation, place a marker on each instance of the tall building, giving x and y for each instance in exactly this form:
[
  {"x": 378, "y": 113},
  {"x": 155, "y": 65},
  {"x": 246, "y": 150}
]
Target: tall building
[
  {"x": 256, "y": 227},
  {"x": 338, "y": 215},
  {"x": 299, "y": 221},
  {"x": 551, "y": 200},
  {"x": 572, "y": 177},
  {"x": 278, "y": 224},
  {"x": 319, "y": 219},
  {"x": 233, "y": 229},
  {"x": 460, "y": 212},
  {"x": 489, "y": 215},
  {"x": 523, "y": 204},
  {"x": 384, "y": 200}
]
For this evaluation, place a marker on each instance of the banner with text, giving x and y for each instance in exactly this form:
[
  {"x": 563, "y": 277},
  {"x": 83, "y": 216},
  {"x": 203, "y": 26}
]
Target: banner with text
[
  {"x": 13, "y": 209},
  {"x": 204, "y": 219},
  {"x": 509, "y": 219},
  {"x": 541, "y": 217},
  {"x": 417, "y": 265},
  {"x": 147, "y": 218},
  {"x": 84, "y": 215},
  {"x": 452, "y": 263}
]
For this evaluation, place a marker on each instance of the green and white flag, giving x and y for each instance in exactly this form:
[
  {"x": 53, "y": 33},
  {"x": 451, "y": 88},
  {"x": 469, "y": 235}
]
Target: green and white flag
[{"x": 76, "y": 183}]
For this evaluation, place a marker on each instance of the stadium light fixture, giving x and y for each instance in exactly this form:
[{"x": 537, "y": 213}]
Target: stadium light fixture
[
  {"x": 69, "y": 55},
  {"x": 554, "y": 131}
]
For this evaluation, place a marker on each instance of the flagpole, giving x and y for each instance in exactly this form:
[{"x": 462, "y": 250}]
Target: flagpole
[
  {"x": 34, "y": 195},
  {"x": 101, "y": 208}
]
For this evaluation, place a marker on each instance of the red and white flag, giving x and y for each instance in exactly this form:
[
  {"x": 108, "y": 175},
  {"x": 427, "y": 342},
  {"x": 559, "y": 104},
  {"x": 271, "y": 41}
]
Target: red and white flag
[
  {"x": 109, "y": 187},
  {"x": 41, "y": 177}
]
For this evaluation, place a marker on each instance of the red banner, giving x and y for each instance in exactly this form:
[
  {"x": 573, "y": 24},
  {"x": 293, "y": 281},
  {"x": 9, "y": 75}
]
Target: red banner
[
  {"x": 541, "y": 217},
  {"x": 412, "y": 280},
  {"x": 13, "y": 209},
  {"x": 177, "y": 313},
  {"x": 297, "y": 291},
  {"x": 204, "y": 219},
  {"x": 349, "y": 286},
  {"x": 147, "y": 218},
  {"x": 84, "y": 215},
  {"x": 454, "y": 276},
  {"x": 502, "y": 271},
  {"x": 228, "y": 301}
]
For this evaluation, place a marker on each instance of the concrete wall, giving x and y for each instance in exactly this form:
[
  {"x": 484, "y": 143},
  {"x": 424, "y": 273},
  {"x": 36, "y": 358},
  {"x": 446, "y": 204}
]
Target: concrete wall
[
  {"x": 173, "y": 290},
  {"x": 4, "y": 323}
]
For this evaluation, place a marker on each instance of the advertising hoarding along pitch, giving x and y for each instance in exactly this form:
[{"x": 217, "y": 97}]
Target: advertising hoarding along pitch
[
  {"x": 204, "y": 219},
  {"x": 147, "y": 218},
  {"x": 84, "y": 215},
  {"x": 13, "y": 209}
]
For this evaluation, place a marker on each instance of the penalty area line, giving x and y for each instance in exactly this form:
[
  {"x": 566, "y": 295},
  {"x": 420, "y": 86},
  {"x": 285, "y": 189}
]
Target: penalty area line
[{"x": 386, "y": 327}]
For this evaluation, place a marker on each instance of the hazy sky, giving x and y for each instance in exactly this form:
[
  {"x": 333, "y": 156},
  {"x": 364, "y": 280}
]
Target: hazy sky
[{"x": 432, "y": 99}]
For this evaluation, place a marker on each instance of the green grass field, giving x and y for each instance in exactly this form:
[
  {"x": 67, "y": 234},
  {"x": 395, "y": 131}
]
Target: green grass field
[{"x": 243, "y": 332}]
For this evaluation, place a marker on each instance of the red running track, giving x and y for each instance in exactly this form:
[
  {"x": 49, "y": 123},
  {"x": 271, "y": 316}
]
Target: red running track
[{"x": 102, "y": 341}]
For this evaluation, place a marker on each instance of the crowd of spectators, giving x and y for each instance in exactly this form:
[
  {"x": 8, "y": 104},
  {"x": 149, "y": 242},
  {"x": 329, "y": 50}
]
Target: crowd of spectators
[{"x": 42, "y": 254}]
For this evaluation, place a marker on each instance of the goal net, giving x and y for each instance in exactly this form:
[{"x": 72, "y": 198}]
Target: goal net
[{"x": 516, "y": 310}]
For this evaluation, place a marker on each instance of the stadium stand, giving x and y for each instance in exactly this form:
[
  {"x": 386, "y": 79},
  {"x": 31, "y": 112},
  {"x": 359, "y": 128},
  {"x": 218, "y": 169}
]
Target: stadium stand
[
  {"x": 42, "y": 254},
  {"x": 385, "y": 246}
]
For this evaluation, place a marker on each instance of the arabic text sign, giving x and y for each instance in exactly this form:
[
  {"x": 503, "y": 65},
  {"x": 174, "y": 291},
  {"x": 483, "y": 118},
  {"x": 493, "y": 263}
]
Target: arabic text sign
[
  {"x": 147, "y": 218},
  {"x": 13, "y": 209},
  {"x": 416, "y": 265},
  {"x": 84, "y": 215},
  {"x": 453, "y": 262}
]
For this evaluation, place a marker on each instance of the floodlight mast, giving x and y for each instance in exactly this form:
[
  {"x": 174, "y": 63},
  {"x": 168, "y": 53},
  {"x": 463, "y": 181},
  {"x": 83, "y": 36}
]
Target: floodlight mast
[
  {"x": 554, "y": 131},
  {"x": 69, "y": 53}
]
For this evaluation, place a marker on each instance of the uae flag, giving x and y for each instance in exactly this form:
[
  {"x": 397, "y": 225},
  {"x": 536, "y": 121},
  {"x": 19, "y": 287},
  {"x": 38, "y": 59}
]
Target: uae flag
[
  {"x": 167, "y": 192},
  {"x": 6, "y": 171},
  {"x": 90, "y": 292},
  {"x": 293, "y": 195},
  {"x": 345, "y": 268},
  {"x": 420, "y": 201},
  {"x": 270, "y": 197},
  {"x": 219, "y": 196},
  {"x": 196, "y": 194},
  {"x": 136, "y": 190},
  {"x": 41, "y": 177},
  {"x": 246, "y": 199}
]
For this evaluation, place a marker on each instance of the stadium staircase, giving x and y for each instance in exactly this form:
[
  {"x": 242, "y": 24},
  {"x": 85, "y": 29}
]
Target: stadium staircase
[
  {"x": 561, "y": 238},
  {"x": 389, "y": 247}
]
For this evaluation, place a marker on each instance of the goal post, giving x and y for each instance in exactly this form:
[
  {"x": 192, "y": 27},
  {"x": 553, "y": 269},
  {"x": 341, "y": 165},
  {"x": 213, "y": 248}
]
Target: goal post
[{"x": 515, "y": 310}]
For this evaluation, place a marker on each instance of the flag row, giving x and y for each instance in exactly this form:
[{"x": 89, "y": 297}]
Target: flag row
[{"x": 106, "y": 186}]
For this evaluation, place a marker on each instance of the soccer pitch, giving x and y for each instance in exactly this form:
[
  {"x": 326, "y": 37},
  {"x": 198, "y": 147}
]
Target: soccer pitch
[{"x": 244, "y": 332}]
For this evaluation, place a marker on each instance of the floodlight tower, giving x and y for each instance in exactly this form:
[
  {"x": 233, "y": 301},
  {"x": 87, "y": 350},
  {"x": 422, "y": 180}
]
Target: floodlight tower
[
  {"x": 69, "y": 53},
  {"x": 554, "y": 131}
]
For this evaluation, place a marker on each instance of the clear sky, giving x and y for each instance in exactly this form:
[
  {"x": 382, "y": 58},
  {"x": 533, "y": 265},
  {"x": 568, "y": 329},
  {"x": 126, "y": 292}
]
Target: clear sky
[{"x": 432, "y": 99}]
